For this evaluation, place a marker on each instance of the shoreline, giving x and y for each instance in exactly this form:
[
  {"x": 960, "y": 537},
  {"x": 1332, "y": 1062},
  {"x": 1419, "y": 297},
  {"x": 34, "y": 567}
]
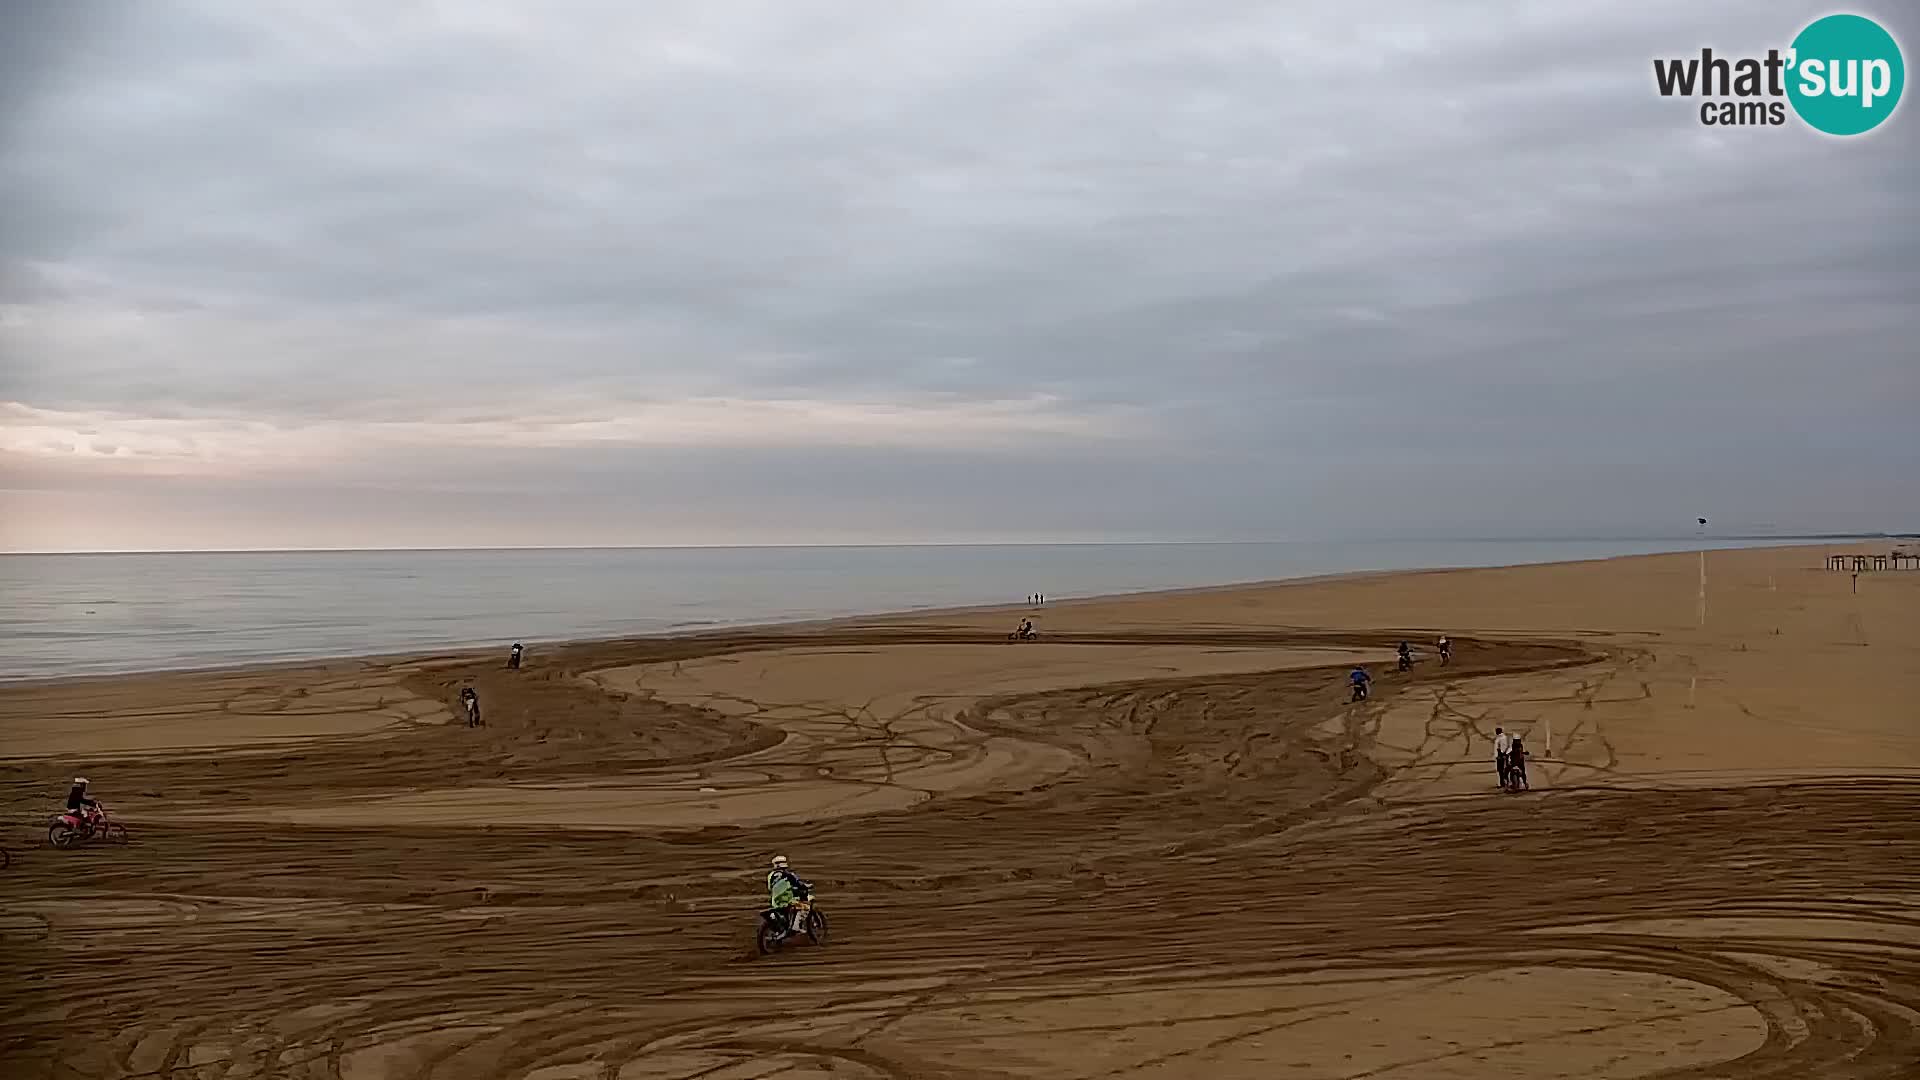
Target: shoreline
[
  {"x": 1787, "y": 540},
  {"x": 454, "y": 653}
]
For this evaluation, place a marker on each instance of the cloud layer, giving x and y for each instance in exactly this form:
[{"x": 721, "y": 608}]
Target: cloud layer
[{"x": 787, "y": 271}]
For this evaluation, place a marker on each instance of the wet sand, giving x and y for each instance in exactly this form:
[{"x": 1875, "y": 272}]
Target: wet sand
[{"x": 1159, "y": 842}]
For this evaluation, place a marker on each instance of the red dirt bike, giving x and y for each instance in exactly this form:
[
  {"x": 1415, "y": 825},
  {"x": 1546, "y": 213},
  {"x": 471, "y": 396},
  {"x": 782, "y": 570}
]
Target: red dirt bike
[
  {"x": 76, "y": 827},
  {"x": 776, "y": 929}
]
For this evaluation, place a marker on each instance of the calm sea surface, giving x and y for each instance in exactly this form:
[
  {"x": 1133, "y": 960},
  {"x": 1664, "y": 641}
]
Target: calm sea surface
[{"x": 89, "y": 614}]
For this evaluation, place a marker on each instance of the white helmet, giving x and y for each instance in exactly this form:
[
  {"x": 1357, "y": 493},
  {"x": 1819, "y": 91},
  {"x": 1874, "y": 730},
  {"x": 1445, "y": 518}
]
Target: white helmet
[
  {"x": 81, "y": 780},
  {"x": 779, "y": 862}
]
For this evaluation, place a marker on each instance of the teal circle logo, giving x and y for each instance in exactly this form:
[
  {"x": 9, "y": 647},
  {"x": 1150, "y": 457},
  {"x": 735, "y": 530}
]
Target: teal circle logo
[{"x": 1846, "y": 74}]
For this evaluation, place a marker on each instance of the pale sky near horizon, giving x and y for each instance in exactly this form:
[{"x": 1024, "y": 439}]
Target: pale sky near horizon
[{"x": 480, "y": 273}]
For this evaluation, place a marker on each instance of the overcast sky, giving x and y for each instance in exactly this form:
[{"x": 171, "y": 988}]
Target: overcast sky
[{"x": 380, "y": 273}]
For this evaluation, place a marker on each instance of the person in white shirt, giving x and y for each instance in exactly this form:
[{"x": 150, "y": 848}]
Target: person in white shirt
[{"x": 1502, "y": 742}]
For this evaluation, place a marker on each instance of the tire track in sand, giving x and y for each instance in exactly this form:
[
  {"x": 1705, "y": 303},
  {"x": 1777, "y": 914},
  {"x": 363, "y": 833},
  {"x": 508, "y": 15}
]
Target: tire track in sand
[{"x": 1205, "y": 872}]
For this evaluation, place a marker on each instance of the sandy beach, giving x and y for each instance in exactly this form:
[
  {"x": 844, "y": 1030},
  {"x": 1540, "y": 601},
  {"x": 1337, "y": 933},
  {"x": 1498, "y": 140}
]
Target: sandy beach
[{"x": 1157, "y": 842}]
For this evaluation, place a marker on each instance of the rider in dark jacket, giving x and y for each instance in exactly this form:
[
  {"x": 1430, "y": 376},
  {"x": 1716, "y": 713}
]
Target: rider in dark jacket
[
  {"x": 79, "y": 802},
  {"x": 1517, "y": 762}
]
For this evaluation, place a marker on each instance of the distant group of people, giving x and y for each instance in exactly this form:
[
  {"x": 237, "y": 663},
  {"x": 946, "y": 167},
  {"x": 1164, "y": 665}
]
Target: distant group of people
[
  {"x": 470, "y": 698},
  {"x": 1509, "y": 751},
  {"x": 1443, "y": 647},
  {"x": 1036, "y": 599},
  {"x": 1361, "y": 680}
]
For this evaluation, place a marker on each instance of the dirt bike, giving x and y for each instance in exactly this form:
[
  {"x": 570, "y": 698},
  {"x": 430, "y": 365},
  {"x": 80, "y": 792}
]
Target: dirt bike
[
  {"x": 1030, "y": 635},
  {"x": 73, "y": 828},
  {"x": 1516, "y": 776},
  {"x": 1406, "y": 663},
  {"x": 1359, "y": 692},
  {"x": 470, "y": 701},
  {"x": 776, "y": 925}
]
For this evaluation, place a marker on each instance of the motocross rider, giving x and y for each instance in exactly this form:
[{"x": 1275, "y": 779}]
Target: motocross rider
[
  {"x": 783, "y": 888},
  {"x": 81, "y": 804}
]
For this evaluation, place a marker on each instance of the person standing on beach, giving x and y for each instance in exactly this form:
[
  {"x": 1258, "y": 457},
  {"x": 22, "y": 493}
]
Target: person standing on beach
[
  {"x": 472, "y": 701},
  {"x": 1502, "y": 744},
  {"x": 513, "y": 657}
]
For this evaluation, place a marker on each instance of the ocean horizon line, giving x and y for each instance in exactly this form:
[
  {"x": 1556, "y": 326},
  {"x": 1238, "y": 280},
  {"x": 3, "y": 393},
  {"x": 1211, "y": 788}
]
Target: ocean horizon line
[{"x": 1441, "y": 539}]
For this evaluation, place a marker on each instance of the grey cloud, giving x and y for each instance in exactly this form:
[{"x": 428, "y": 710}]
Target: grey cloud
[{"x": 1339, "y": 237}]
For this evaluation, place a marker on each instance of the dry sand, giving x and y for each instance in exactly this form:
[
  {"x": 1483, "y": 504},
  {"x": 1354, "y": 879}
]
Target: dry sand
[{"x": 1158, "y": 843}]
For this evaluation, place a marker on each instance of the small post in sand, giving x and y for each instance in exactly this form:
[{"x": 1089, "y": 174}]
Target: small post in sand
[
  {"x": 1702, "y": 613},
  {"x": 1546, "y": 748}
]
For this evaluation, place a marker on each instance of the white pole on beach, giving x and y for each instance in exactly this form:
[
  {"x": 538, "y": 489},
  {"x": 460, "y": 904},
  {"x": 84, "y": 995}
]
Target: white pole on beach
[
  {"x": 1703, "y": 589},
  {"x": 1548, "y": 746}
]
